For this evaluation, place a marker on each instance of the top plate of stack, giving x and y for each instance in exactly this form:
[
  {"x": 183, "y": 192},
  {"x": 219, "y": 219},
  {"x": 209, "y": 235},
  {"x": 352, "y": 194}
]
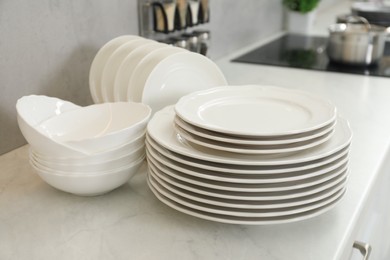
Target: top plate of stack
[{"x": 255, "y": 119}]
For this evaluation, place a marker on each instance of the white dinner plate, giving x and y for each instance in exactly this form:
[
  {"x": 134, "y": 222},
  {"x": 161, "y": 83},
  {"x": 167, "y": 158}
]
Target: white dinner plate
[
  {"x": 161, "y": 129},
  {"x": 243, "y": 220},
  {"x": 128, "y": 65},
  {"x": 274, "y": 140},
  {"x": 244, "y": 204},
  {"x": 245, "y": 212},
  {"x": 112, "y": 66},
  {"x": 246, "y": 169},
  {"x": 98, "y": 63},
  {"x": 165, "y": 163},
  {"x": 143, "y": 70},
  {"x": 255, "y": 110},
  {"x": 231, "y": 191},
  {"x": 179, "y": 75},
  {"x": 252, "y": 149},
  {"x": 270, "y": 190}
]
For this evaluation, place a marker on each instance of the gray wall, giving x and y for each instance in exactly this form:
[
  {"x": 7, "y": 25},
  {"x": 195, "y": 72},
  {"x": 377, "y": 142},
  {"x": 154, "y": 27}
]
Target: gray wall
[{"x": 47, "y": 46}]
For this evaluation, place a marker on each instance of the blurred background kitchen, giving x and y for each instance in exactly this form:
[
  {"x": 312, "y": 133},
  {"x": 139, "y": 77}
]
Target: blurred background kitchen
[{"x": 47, "y": 46}]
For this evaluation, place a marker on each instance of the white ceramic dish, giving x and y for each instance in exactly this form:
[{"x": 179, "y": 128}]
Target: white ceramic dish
[
  {"x": 161, "y": 130},
  {"x": 246, "y": 212},
  {"x": 243, "y": 220},
  {"x": 89, "y": 185},
  {"x": 244, "y": 204},
  {"x": 98, "y": 63},
  {"x": 246, "y": 185},
  {"x": 234, "y": 191},
  {"x": 143, "y": 70},
  {"x": 33, "y": 110},
  {"x": 252, "y": 149},
  {"x": 127, "y": 67},
  {"x": 112, "y": 65},
  {"x": 179, "y": 75},
  {"x": 274, "y": 140},
  {"x": 134, "y": 145},
  {"x": 91, "y": 168},
  {"x": 166, "y": 164},
  {"x": 245, "y": 169},
  {"x": 100, "y": 127},
  {"x": 255, "y": 110}
]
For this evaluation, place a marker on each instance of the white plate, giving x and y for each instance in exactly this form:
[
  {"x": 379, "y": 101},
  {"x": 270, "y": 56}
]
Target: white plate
[
  {"x": 143, "y": 70},
  {"x": 163, "y": 162},
  {"x": 244, "y": 204},
  {"x": 227, "y": 193},
  {"x": 243, "y": 220},
  {"x": 252, "y": 149},
  {"x": 301, "y": 187},
  {"x": 179, "y": 75},
  {"x": 98, "y": 63},
  {"x": 128, "y": 65},
  {"x": 255, "y": 110},
  {"x": 245, "y": 169},
  {"x": 112, "y": 66},
  {"x": 275, "y": 140},
  {"x": 161, "y": 130},
  {"x": 245, "y": 212}
]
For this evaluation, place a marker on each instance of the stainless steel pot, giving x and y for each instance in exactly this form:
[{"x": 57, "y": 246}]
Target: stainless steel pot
[{"x": 356, "y": 44}]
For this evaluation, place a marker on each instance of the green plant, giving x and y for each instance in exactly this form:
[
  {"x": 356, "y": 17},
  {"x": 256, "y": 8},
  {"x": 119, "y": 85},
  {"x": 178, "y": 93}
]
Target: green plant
[{"x": 302, "y": 6}]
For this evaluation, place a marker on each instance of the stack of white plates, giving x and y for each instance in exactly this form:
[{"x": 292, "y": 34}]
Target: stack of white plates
[
  {"x": 249, "y": 155},
  {"x": 132, "y": 68}
]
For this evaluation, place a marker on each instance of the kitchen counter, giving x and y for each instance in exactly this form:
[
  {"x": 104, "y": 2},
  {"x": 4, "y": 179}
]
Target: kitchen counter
[{"x": 40, "y": 222}]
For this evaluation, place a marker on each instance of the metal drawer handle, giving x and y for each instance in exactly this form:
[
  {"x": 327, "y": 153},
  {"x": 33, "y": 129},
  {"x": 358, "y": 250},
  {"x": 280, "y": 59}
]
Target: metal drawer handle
[{"x": 364, "y": 248}]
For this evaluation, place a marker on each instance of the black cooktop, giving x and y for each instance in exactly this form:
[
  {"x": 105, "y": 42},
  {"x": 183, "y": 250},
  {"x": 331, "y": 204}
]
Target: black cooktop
[{"x": 308, "y": 52}]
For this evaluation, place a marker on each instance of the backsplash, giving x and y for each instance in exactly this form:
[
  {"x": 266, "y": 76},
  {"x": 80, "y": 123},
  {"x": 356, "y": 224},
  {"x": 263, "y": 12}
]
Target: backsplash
[{"x": 47, "y": 46}]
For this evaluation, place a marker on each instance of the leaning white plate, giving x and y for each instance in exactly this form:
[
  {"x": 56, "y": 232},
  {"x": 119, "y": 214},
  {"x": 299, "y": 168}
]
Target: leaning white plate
[
  {"x": 269, "y": 181},
  {"x": 144, "y": 68},
  {"x": 245, "y": 169},
  {"x": 244, "y": 204},
  {"x": 243, "y": 220},
  {"x": 112, "y": 66},
  {"x": 128, "y": 65},
  {"x": 274, "y": 140},
  {"x": 161, "y": 130},
  {"x": 246, "y": 212},
  {"x": 252, "y": 149},
  {"x": 258, "y": 111},
  {"x": 179, "y": 75},
  {"x": 98, "y": 63}
]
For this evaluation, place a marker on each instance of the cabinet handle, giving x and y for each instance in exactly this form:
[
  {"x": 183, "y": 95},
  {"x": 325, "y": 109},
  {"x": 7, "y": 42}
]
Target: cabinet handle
[{"x": 364, "y": 248}]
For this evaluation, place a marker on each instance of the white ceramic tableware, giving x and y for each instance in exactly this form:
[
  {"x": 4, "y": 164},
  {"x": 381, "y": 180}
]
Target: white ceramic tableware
[
  {"x": 143, "y": 70},
  {"x": 98, "y": 63},
  {"x": 161, "y": 130},
  {"x": 112, "y": 65},
  {"x": 100, "y": 127},
  {"x": 89, "y": 184},
  {"x": 126, "y": 69},
  {"x": 255, "y": 111},
  {"x": 178, "y": 75}
]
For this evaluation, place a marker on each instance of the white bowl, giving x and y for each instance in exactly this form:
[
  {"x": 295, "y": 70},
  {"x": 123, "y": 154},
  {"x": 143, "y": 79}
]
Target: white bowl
[
  {"x": 121, "y": 151},
  {"x": 91, "y": 168},
  {"x": 86, "y": 184},
  {"x": 33, "y": 110},
  {"x": 98, "y": 128}
]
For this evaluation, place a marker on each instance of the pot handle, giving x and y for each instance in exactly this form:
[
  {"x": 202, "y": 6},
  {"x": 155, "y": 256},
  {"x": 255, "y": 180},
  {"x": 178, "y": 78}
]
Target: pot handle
[{"x": 354, "y": 18}]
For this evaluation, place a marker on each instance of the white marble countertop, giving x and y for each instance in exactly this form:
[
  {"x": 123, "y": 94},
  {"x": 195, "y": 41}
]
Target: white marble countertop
[{"x": 39, "y": 222}]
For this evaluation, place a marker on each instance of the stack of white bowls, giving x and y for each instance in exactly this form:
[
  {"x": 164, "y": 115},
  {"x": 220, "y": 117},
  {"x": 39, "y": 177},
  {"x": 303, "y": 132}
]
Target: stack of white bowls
[
  {"x": 249, "y": 155},
  {"x": 132, "y": 68},
  {"x": 83, "y": 150}
]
